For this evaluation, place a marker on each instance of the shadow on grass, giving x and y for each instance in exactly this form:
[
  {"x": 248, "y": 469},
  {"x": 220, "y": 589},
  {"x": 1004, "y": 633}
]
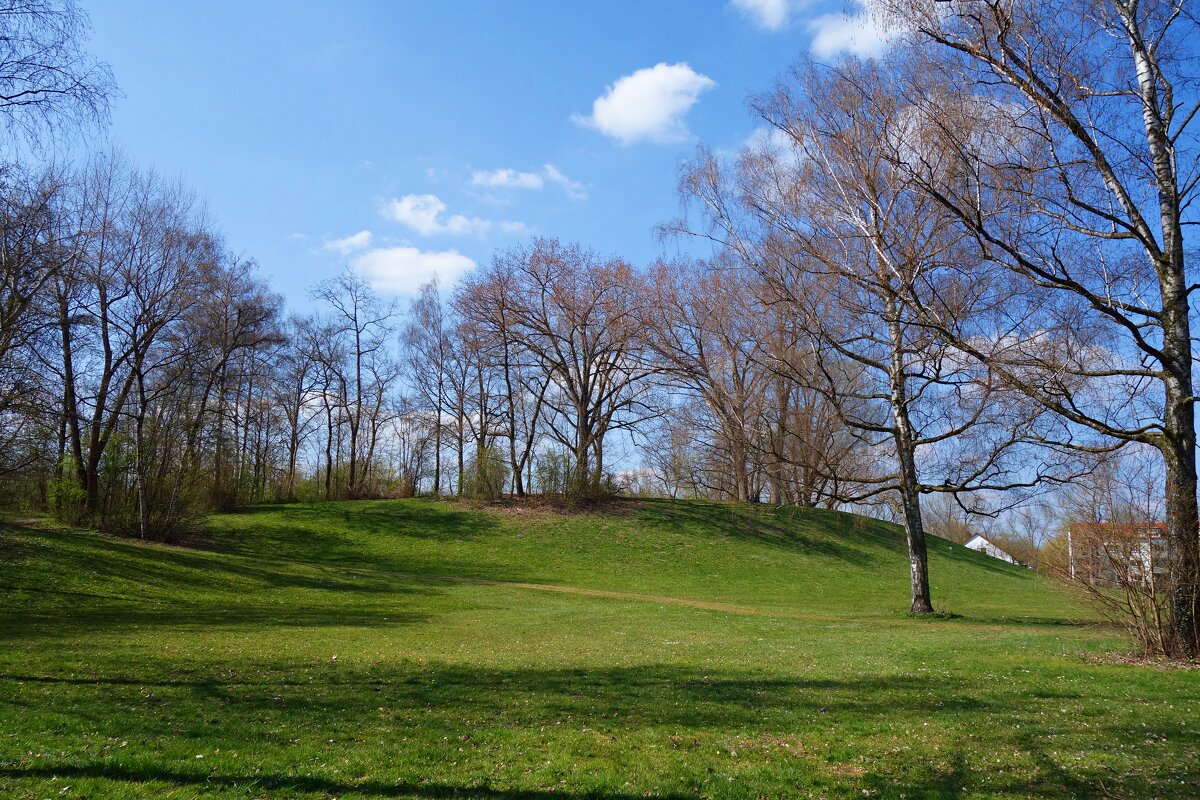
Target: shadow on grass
[
  {"x": 819, "y": 533},
  {"x": 437, "y": 707},
  {"x": 93, "y": 620},
  {"x": 62, "y": 573},
  {"x": 333, "y": 532},
  {"x": 615, "y": 698},
  {"x": 957, "y": 780},
  {"x": 316, "y": 785},
  {"x": 109, "y": 562},
  {"x": 1031, "y": 621}
]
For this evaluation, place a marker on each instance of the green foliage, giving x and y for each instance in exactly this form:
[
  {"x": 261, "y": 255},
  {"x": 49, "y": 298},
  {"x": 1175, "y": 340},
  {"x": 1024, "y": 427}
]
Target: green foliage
[
  {"x": 553, "y": 472},
  {"x": 65, "y": 495},
  {"x": 421, "y": 649},
  {"x": 485, "y": 475},
  {"x": 556, "y": 478}
]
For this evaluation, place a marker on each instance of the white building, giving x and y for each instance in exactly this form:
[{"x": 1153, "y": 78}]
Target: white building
[
  {"x": 1118, "y": 554},
  {"x": 982, "y": 545}
]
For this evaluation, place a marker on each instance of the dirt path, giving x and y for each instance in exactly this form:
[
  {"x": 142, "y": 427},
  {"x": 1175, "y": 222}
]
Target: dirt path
[
  {"x": 706, "y": 605},
  {"x": 626, "y": 596}
]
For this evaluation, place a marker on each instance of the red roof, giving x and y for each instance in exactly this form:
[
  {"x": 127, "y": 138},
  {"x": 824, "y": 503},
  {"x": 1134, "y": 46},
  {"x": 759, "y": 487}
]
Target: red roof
[{"x": 1124, "y": 530}]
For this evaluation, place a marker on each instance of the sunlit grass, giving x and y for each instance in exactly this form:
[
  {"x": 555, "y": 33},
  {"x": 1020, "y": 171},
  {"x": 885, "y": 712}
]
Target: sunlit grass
[{"x": 670, "y": 650}]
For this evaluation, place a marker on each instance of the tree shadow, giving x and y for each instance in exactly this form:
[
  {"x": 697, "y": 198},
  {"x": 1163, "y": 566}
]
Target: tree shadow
[
  {"x": 115, "y": 561},
  {"x": 359, "y": 534},
  {"x": 316, "y": 785},
  {"x": 819, "y": 533},
  {"x": 612, "y": 697},
  {"x": 452, "y": 702},
  {"x": 210, "y": 618}
]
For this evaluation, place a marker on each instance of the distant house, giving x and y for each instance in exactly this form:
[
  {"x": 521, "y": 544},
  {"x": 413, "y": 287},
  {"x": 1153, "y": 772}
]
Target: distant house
[
  {"x": 982, "y": 545},
  {"x": 1117, "y": 553}
]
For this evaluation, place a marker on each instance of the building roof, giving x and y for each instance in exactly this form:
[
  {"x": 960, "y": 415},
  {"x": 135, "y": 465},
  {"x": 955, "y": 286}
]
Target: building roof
[
  {"x": 1120, "y": 530},
  {"x": 978, "y": 539}
]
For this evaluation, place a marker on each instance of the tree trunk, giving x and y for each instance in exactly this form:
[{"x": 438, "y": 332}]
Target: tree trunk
[
  {"x": 328, "y": 451},
  {"x": 462, "y": 446},
  {"x": 582, "y": 445},
  {"x": 1183, "y": 525},
  {"x": 356, "y": 418},
  {"x": 914, "y": 536},
  {"x": 437, "y": 436},
  {"x": 294, "y": 444},
  {"x": 598, "y": 473},
  {"x": 910, "y": 494},
  {"x": 741, "y": 476},
  {"x": 139, "y": 457},
  {"x": 70, "y": 399}
]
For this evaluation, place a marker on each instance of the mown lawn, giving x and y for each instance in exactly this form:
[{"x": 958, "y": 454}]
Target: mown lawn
[{"x": 659, "y": 649}]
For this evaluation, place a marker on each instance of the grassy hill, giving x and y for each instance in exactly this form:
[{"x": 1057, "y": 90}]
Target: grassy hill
[{"x": 658, "y": 649}]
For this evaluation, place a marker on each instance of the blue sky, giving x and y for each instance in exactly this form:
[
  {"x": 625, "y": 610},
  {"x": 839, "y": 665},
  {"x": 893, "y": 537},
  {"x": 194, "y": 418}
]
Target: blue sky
[{"x": 404, "y": 138}]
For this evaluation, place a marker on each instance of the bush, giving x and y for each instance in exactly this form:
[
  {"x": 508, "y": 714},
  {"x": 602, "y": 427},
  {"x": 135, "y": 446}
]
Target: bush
[{"x": 486, "y": 475}]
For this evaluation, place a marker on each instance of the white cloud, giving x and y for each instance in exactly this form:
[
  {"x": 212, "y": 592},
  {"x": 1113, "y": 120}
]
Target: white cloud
[
  {"x": 402, "y": 270},
  {"x": 648, "y": 104},
  {"x": 859, "y": 34},
  {"x": 426, "y": 214},
  {"x": 776, "y": 143},
  {"x": 574, "y": 189},
  {"x": 770, "y": 15},
  {"x": 349, "y": 244},
  {"x": 509, "y": 178}
]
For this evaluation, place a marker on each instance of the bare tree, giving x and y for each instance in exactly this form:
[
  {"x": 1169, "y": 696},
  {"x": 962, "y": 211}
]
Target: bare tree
[
  {"x": 294, "y": 389},
  {"x": 427, "y": 350},
  {"x": 31, "y": 255},
  {"x": 577, "y": 315},
  {"x": 847, "y": 245},
  {"x": 487, "y": 301},
  {"x": 48, "y": 81},
  {"x": 705, "y": 326},
  {"x": 126, "y": 287},
  {"x": 1070, "y": 160},
  {"x": 365, "y": 322},
  {"x": 809, "y": 454}
]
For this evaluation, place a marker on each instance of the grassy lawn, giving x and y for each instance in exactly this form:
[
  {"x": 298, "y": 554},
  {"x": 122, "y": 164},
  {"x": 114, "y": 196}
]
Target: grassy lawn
[{"x": 661, "y": 649}]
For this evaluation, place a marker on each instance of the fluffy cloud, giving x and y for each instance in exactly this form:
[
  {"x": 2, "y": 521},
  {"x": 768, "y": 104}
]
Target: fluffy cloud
[
  {"x": 648, "y": 104},
  {"x": 402, "y": 270},
  {"x": 350, "y": 244},
  {"x": 857, "y": 34},
  {"x": 770, "y": 15},
  {"x": 514, "y": 179},
  {"x": 426, "y": 214}
]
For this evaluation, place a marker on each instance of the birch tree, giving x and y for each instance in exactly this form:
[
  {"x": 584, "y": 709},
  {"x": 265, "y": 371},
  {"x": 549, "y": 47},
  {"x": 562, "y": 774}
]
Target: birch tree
[{"x": 1071, "y": 159}]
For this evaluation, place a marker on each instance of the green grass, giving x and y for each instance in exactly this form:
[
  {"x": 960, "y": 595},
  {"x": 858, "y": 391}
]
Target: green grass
[{"x": 661, "y": 649}]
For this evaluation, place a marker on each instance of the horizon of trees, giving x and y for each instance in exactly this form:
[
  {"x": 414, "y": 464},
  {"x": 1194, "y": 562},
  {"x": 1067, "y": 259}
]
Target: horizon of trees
[{"x": 951, "y": 280}]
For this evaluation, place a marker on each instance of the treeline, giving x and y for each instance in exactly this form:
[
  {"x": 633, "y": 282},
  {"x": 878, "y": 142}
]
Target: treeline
[
  {"x": 150, "y": 376},
  {"x": 131, "y": 341}
]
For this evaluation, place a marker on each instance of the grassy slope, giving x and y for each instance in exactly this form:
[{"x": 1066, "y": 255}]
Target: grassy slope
[{"x": 336, "y": 651}]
